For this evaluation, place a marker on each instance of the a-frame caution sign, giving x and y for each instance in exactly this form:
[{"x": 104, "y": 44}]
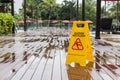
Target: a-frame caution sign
[
  {"x": 79, "y": 50},
  {"x": 77, "y": 45}
]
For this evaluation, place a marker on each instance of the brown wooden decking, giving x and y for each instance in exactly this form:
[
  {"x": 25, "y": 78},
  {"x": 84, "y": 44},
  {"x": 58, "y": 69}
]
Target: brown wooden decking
[{"x": 46, "y": 61}]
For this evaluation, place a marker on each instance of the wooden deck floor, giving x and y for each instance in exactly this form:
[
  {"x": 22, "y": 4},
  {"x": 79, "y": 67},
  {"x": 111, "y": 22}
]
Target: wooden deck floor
[
  {"x": 51, "y": 67},
  {"x": 46, "y": 61},
  {"x": 44, "y": 67}
]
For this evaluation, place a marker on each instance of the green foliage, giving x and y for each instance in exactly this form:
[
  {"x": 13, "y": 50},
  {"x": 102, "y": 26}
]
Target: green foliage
[
  {"x": 32, "y": 9},
  {"x": 114, "y": 11},
  {"x": 50, "y": 10},
  {"x": 6, "y": 23},
  {"x": 18, "y": 17},
  {"x": 68, "y": 10},
  {"x": 90, "y": 10}
]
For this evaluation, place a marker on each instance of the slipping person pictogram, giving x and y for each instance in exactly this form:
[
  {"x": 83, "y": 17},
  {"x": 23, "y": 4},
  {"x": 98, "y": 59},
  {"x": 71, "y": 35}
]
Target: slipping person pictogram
[{"x": 77, "y": 45}]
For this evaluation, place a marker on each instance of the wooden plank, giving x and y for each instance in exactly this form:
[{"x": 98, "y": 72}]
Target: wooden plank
[
  {"x": 95, "y": 75},
  {"x": 40, "y": 66},
  {"x": 30, "y": 71},
  {"x": 63, "y": 65},
  {"x": 6, "y": 71},
  {"x": 16, "y": 68},
  {"x": 15, "y": 65},
  {"x": 21, "y": 72},
  {"x": 56, "y": 68},
  {"x": 108, "y": 72},
  {"x": 39, "y": 71},
  {"x": 49, "y": 67}
]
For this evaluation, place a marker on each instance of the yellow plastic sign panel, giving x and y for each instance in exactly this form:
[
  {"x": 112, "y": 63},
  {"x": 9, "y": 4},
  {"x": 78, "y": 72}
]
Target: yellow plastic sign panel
[{"x": 79, "y": 49}]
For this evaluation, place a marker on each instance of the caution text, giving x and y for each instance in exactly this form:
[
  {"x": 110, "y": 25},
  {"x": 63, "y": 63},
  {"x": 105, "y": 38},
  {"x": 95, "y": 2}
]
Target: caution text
[{"x": 79, "y": 34}]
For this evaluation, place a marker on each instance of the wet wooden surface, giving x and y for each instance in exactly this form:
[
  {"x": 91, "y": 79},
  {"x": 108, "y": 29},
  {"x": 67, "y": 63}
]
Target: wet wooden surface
[{"x": 47, "y": 56}]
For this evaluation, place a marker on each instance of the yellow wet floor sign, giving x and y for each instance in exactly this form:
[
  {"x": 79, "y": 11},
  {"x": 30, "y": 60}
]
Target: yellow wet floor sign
[{"x": 79, "y": 50}]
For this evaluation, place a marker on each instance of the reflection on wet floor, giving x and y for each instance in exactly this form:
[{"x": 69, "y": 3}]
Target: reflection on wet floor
[
  {"x": 4, "y": 42},
  {"x": 46, "y": 56},
  {"x": 78, "y": 72}
]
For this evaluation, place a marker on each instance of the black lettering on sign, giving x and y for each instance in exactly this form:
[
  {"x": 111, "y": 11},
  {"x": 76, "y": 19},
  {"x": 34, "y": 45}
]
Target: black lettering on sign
[{"x": 78, "y": 34}]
